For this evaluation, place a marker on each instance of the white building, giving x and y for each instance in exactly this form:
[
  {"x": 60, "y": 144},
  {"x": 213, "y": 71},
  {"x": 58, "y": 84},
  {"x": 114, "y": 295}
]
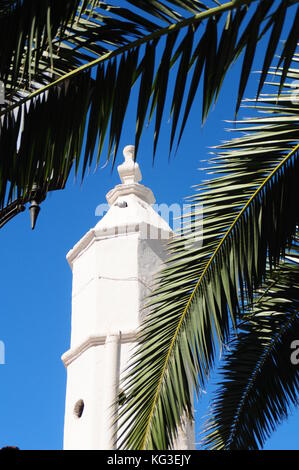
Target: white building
[{"x": 113, "y": 267}]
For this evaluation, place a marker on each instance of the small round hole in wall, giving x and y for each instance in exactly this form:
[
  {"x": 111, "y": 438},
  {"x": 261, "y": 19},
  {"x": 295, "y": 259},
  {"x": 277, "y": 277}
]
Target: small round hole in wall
[{"x": 78, "y": 408}]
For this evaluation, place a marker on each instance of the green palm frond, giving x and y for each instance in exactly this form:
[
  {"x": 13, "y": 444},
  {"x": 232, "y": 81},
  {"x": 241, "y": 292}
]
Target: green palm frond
[
  {"x": 30, "y": 34},
  {"x": 250, "y": 213},
  {"x": 95, "y": 57},
  {"x": 259, "y": 381},
  {"x": 27, "y": 29}
]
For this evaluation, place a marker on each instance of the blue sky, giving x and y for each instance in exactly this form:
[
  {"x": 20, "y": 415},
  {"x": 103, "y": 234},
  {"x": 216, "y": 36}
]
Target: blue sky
[{"x": 35, "y": 279}]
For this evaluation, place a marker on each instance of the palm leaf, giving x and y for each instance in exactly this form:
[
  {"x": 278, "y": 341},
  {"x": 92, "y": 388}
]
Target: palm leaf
[
  {"x": 259, "y": 383},
  {"x": 250, "y": 213},
  {"x": 27, "y": 29},
  {"x": 91, "y": 50}
]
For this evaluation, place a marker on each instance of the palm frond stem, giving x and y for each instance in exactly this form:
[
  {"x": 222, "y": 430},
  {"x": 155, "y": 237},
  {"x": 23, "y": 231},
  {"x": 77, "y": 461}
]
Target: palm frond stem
[
  {"x": 166, "y": 31},
  {"x": 240, "y": 214}
]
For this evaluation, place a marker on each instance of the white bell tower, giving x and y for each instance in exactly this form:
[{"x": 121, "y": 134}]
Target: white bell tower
[{"x": 113, "y": 267}]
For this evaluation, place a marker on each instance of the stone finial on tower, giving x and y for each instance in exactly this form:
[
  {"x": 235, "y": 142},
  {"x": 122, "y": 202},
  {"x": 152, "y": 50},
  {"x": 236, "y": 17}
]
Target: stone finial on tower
[
  {"x": 130, "y": 176},
  {"x": 129, "y": 171}
]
